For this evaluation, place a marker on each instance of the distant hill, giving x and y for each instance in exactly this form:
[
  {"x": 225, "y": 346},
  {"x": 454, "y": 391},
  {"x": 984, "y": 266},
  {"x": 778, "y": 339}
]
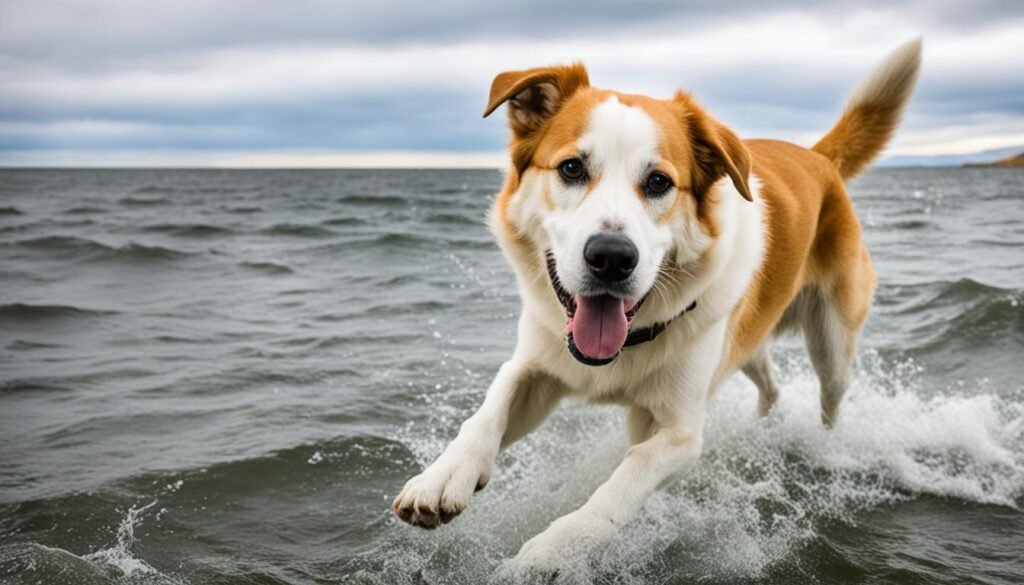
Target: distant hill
[
  {"x": 1016, "y": 160},
  {"x": 951, "y": 160}
]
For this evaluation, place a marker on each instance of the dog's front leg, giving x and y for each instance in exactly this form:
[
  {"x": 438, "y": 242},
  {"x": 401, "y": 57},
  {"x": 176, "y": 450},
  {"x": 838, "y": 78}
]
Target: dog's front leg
[
  {"x": 517, "y": 401},
  {"x": 675, "y": 402},
  {"x": 647, "y": 464}
]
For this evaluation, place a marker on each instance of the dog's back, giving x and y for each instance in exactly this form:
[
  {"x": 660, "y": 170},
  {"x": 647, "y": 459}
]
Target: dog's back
[{"x": 817, "y": 273}]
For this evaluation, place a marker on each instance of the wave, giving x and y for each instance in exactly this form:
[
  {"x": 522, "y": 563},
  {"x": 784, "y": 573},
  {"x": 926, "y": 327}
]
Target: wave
[
  {"x": 188, "y": 230},
  {"x": 763, "y": 489},
  {"x": 84, "y": 248},
  {"x": 913, "y": 224},
  {"x": 118, "y": 558},
  {"x": 449, "y": 190},
  {"x": 149, "y": 189},
  {"x": 35, "y": 563},
  {"x": 375, "y": 200},
  {"x": 144, "y": 252},
  {"x": 397, "y": 280},
  {"x": 227, "y": 486},
  {"x": 15, "y": 386},
  {"x": 29, "y": 345},
  {"x": 175, "y": 339},
  {"x": 385, "y": 309},
  {"x": 290, "y": 465},
  {"x": 84, "y": 210},
  {"x": 27, "y": 312},
  {"x": 297, "y": 230},
  {"x": 966, "y": 289},
  {"x": 963, "y": 311},
  {"x": 215, "y": 190},
  {"x": 345, "y": 221},
  {"x": 409, "y": 241},
  {"x": 46, "y": 224},
  {"x": 62, "y": 244},
  {"x": 143, "y": 201},
  {"x": 945, "y": 301},
  {"x": 453, "y": 219},
  {"x": 10, "y": 211},
  {"x": 997, "y": 243},
  {"x": 246, "y": 209},
  {"x": 267, "y": 267}
]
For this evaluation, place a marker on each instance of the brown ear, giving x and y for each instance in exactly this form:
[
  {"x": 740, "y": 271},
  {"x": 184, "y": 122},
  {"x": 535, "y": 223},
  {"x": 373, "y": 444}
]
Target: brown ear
[
  {"x": 535, "y": 95},
  {"x": 717, "y": 151}
]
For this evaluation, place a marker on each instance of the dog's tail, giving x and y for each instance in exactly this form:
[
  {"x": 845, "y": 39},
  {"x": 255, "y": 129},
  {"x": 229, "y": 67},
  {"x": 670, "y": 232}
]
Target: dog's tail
[{"x": 872, "y": 112}]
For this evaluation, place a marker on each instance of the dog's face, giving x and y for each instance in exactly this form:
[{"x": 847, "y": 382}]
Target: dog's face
[{"x": 613, "y": 190}]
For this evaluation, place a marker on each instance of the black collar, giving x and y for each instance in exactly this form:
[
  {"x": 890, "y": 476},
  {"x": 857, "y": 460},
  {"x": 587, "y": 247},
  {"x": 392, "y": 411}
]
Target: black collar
[{"x": 649, "y": 333}]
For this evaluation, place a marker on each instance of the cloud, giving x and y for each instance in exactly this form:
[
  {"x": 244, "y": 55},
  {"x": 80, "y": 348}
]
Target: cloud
[
  {"x": 244, "y": 159},
  {"x": 90, "y": 28},
  {"x": 412, "y": 77}
]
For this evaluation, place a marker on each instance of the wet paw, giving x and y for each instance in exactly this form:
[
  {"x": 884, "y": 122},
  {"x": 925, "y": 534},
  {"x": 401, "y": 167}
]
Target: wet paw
[
  {"x": 569, "y": 538},
  {"x": 439, "y": 494}
]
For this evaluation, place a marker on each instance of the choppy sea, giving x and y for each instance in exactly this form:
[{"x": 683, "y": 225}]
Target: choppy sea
[{"x": 216, "y": 376}]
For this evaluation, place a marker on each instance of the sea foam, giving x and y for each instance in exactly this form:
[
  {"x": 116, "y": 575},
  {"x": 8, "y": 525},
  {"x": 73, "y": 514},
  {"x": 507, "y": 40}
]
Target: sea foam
[{"x": 762, "y": 489}]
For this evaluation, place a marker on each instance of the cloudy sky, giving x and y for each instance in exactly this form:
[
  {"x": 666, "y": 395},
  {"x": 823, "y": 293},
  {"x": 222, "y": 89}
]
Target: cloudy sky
[{"x": 392, "y": 82}]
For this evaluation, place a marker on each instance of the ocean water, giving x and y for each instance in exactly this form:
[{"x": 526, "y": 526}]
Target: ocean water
[{"x": 226, "y": 376}]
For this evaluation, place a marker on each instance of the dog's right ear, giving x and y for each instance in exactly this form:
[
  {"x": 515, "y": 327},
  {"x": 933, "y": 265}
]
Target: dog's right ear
[{"x": 535, "y": 95}]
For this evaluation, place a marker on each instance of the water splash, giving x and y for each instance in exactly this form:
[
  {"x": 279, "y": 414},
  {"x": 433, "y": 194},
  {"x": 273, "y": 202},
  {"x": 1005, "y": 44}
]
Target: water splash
[
  {"x": 762, "y": 490},
  {"x": 33, "y": 563},
  {"x": 118, "y": 558}
]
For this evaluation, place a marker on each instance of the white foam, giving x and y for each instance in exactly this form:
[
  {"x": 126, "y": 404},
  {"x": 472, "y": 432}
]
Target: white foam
[
  {"x": 37, "y": 563},
  {"x": 761, "y": 486},
  {"x": 118, "y": 557}
]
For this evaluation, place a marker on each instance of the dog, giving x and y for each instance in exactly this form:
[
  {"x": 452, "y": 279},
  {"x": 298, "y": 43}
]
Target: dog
[{"x": 656, "y": 253}]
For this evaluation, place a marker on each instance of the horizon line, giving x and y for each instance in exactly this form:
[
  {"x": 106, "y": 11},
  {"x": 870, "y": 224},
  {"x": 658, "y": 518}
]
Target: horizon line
[{"x": 173, "y": 159}]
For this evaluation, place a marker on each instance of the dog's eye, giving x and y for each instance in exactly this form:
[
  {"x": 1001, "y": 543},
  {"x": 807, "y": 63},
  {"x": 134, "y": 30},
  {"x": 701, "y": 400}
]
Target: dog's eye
[
  {"x": 572, "y": 170},
  {"x": 657, "y": 184}
]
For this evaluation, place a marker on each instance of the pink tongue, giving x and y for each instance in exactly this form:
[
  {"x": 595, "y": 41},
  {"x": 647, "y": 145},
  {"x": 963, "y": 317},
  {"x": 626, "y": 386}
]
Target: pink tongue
[{"x": 599, "y": 327}]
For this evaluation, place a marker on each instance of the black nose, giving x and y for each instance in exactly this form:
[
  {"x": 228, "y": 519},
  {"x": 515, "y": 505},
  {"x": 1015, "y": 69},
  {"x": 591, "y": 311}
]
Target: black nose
[{"x": 611, "y": 257}]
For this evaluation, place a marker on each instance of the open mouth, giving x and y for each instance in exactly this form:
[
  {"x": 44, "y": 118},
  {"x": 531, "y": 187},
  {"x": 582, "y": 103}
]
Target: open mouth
[{"x": 598, "y": 325}]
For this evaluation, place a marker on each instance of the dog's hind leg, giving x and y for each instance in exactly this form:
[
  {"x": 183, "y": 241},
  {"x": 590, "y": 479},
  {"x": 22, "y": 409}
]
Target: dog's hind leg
[
  {"x": 758, "y": 368},
  {"x": 831, "y": 338}
]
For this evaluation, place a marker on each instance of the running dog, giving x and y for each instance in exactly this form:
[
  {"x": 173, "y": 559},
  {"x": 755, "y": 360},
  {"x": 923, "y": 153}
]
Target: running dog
[{"x": 656, "y": 253}]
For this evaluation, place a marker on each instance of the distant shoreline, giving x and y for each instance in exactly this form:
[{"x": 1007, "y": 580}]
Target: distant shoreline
[{"x": 1016, "y": 160}]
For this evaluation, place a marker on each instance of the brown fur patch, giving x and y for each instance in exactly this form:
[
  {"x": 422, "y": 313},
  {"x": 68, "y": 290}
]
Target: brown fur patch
[
  {"x": 812, "y": 237},
  {"x": 812, "y": 234}
]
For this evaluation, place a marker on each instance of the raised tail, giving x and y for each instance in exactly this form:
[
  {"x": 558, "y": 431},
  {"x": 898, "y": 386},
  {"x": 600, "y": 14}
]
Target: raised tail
[{"x": 872, "y": 112}]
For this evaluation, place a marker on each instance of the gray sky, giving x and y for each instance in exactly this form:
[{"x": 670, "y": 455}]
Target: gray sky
[{"x": 383, "y": 82}]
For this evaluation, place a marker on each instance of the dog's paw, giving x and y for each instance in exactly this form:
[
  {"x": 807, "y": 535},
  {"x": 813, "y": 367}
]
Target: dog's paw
[
  {"x": 440, "y": 493},
  {"x": 568, "y": 540}
]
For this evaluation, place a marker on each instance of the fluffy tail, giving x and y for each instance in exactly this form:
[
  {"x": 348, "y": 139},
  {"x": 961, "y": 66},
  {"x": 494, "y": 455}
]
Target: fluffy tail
[{"x": 872, "y": 112}]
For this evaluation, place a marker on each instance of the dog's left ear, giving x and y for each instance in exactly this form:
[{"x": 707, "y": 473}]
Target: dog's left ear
[
  {"x": 717, "y": 151},
  {"x": 534, "y": 95}
]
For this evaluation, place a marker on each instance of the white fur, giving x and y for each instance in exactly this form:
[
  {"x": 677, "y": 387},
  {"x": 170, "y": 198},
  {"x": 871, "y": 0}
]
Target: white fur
[
  {"x": 620, "y": 148},
  {"x": 665, "y": 383}
]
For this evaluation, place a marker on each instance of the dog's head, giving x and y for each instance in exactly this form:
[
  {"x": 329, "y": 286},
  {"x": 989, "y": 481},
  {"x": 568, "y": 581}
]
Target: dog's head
[{"x": 614, "y": 192}]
